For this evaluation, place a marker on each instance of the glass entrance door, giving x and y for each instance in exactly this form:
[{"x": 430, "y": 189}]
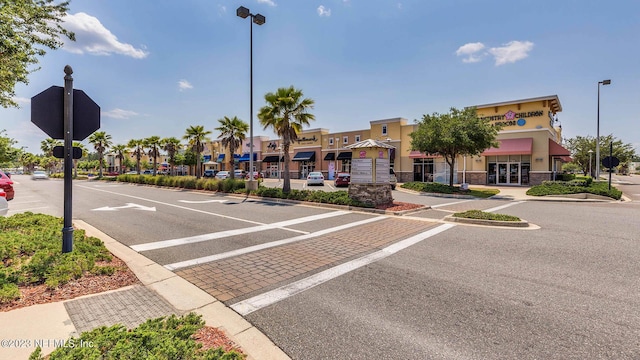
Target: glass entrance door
[
  {"x": 514, "y": 173},
  {"x": 508, "y": 173},
  {"x": 502, "y": 174}
]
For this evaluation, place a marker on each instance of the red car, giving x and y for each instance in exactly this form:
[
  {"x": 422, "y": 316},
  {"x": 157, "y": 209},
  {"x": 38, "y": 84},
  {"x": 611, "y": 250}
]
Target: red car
[
  {"x": 7, "y": 185},
  {"x": 342, "y": 179}
]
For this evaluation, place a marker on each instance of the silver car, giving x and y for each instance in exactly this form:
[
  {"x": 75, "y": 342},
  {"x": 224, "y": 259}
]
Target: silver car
[{"x": 39, "y": 175}]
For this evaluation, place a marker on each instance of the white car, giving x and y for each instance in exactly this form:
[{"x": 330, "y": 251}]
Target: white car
[
  {"x": 221, "y": 175},
  {"x": 39, "y": 175},
  {"x": 4, "y": 204},
  {"x": 315, "y": 178}
]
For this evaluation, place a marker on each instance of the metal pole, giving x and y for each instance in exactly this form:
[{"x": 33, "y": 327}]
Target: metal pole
[
  {"x": 67, "y": 230},
  {"x": 590, "y": 172},
  {"x": 598, "y": 137},
  {"x": 251, "y": 104},
  {"x": 610, "y": 160}
]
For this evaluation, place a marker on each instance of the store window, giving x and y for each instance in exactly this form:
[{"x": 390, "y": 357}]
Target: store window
[
  {"x": 384, "y": 129},
  {"x": 357, "y": 138},
  {"x": 330, "y": 141},
  {"x": 345, "y": 139}
]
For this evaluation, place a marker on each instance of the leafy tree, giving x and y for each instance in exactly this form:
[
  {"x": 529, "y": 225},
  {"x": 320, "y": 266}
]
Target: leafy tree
[
  {"x": 75, "y": 161},
  {"x": 29, "y": 161},
  {"x": 136, "y": 146},
  {"x": 153, "y": 144},
  {"x": 286, "y": 113},
  {"x": 197, "y": 136},
  {"x": 232, "y": 133},
  {"x": 27, "y": 27},
  {"x": 459, "y": 132},
  {"x": 101, "y": 142},
  {"x": 7, "y": 151},
  {"x": 48, "y": 144},
  {"x": 579, "y": 147},
  {"x": 171, "y": 145},
  {"x": 121, "y": 151}
]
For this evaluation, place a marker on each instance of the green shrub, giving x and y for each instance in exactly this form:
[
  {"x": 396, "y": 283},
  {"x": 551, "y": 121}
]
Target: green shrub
[
  {"x": 481, "y": 215},
  {"x": 161, "y": 338},
  {"x": 8, "y": 292},
  {"x": 437, "y": 188},
  {"x": 565, "y": 188}
]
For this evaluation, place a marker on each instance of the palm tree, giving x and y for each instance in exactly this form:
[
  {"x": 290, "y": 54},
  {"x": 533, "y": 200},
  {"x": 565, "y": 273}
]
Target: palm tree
[
  {"x": 47, "y": 146},
  {"x": 153, "y": 143},
  {"x": 286, "y": 113},
  {"x": 101, "y": 142},
  {"x": 136, "y": 148},
  {"x": 121, "y": 152},
  {"x": 232, "y": 134},
  {"x": 196, "y": 136},
  {"x": 75, "y": 161},
  {"x": 171, "y": 146}
]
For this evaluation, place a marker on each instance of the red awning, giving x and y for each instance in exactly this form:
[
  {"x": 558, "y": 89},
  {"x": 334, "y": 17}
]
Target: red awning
[
  {"x": 414, "y": 154},
  {"x": 511, "y": 147},
  {"x": 556, "y": 149}
]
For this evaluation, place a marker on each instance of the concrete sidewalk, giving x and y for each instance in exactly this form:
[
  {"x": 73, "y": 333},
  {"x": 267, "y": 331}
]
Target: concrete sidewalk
[{"x": 162, "y": 293}]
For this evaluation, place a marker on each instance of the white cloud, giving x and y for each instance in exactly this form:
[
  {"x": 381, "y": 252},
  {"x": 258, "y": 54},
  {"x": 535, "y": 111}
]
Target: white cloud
[
  {"x": 92, "y": 37},
  {"x": 119, "y": 114},
  {"x": 470, "y": 50},
  {"x": 21, "y": 100},
  {"x": 222, "y": 9},
  {"x": 511, "y": 52},
  {"x": 268, "y": 2},
  {"x": 322, "y": 11},
  {"x": 184, "y": 85}
]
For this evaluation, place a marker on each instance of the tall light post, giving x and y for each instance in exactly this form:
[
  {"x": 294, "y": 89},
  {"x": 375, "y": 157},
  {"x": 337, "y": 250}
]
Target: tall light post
[
  {"x": 603, "y": 82},
  {"x": 590, "y": 153},
  {"x": 258, "y": 19}
]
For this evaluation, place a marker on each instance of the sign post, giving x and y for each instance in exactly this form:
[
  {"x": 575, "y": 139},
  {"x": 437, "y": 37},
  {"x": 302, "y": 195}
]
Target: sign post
[{"x": 68, "y": 114}]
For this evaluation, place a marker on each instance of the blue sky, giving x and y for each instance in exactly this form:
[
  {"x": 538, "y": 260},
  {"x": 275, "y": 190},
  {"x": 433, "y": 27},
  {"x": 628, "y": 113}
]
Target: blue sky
[{"x": 158, "y": 67}]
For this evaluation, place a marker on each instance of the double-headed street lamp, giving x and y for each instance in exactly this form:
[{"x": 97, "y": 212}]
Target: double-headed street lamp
[
  {"x": 258, "y": 19},
  {"x": 603, "y": 82}
]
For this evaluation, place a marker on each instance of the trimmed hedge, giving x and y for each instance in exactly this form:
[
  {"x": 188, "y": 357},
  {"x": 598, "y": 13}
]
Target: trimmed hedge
[
  {"x": 437, "y": 188},
  {"x": 577, "y": 186},
  {"x": 481, "y": 215}
]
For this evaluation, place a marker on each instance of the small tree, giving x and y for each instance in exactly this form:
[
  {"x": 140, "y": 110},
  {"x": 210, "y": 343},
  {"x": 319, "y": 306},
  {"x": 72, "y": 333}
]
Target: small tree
[{"x": 459, "y": 132}]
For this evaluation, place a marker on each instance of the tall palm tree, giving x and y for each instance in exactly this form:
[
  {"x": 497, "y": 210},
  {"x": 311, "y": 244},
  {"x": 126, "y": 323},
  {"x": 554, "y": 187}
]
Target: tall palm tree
[
  {"x": 101, "y": 142},
  {"x": 197, "y": 136},
  {"x": 232, "y": 134},
  {"x": 171, "y": 146},
  {"x": 121, "y": 152},
  {"x": 136, "y": 148},
  {"x": 153, "y": 144},
  {"x": 47, "y": 146},
  {"x": 75, "y": 161},
  {"x": 286, "y": 113}
]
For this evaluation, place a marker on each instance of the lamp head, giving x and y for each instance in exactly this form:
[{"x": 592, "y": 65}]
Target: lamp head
[
  {"x": 605, "y": 82},
  {"x": 243, "y": 12},
  {"x": 259, "y": 19}
]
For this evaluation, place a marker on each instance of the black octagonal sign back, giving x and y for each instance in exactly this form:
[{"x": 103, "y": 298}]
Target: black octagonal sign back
[{"x": 47, "y": 112}]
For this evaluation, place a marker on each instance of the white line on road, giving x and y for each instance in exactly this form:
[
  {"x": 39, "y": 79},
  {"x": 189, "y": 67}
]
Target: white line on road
[
  {"x": 258, "y": 302},
  {"x": 228, "y": 254},
  {"x": 451, "y": 203},
  {"x": 227, "y": 233},
  {"x": 503, "y": 206},
  {"x": 201, "y": 201}
]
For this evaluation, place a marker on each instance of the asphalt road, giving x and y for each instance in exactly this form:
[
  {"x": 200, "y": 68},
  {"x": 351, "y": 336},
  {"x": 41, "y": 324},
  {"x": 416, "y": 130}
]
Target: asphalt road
[{"x": 408, "y": 288}]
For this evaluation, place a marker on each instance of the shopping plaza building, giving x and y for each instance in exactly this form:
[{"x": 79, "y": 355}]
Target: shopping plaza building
[{"x": 529, "y": 150}]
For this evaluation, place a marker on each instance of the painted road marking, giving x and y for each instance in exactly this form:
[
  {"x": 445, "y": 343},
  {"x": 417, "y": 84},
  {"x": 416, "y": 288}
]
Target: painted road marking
[
  {"x": 451, "y": 203},
  {"x": 227, "y": 233},
  {"x": 504, "y": 206},
  {"x": 128, "y": 206},
  {"x": 258, "y": 302},
  {"x": 228, "y": 254},
  {"x": 201, "y": 201}
]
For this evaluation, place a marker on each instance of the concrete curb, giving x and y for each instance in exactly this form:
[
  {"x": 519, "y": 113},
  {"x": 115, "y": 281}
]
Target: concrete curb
[
  {"x": 520, "y": 224},
  {"x": 187, "y": 297}
]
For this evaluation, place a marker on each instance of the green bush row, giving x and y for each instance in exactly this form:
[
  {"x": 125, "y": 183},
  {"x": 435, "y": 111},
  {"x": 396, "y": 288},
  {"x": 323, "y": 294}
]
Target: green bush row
[
  {"x": 31, "y": 251},
  {"x": 437, "y": 188},
  {"x": 161, "y": 338},
  {"x": 185, "y": 182},
  {"x": 336, "y": 197},
  {"x": 571, "y": 187}
]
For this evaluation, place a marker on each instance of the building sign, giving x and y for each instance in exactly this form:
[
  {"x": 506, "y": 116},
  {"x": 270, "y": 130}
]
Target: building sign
[
  {"x": 382, "y": 171},
  {"x": 512, "y": 118},
  {"x": 362, "y": 154},
  {"x": 362, "y": 171},
  {"x": 306, "y": 139}
]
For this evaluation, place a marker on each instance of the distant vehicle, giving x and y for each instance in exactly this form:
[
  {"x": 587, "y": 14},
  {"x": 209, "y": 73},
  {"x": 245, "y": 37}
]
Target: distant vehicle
[
  {"x": 393, "y": 180},
  {"x": 315, "y": 178},
  {"x": 6, "y": 184},
  {"x": 239, "y": 174},
  {"x": 39, "y": 175},
  {"x": 113, "y": 173},
  {"x": 342, "y": 179},
  {"x": 147, "y": 172},
  {"x": 221, "y": 175},
  {"x": 256, "y": 175},
  {"x": 210, "y": 173},
  {"x": 133, "y": 172},
  {"x": 4, "y": 204}
]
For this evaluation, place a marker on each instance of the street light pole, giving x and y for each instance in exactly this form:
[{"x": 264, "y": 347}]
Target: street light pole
[
  {"x": 243, "y": 12},
  {"x": 590, "y": 152},
  {"x": 603, "y": 82}
]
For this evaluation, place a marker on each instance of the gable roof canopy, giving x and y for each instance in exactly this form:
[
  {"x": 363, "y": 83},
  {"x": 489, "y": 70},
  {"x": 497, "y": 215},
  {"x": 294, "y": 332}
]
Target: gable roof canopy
[{"x": 521, "y": 146}]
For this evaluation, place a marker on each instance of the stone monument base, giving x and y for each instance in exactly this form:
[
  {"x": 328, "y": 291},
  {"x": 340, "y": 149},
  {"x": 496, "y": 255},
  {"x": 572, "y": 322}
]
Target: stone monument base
[{"x": 372, "y": 194}]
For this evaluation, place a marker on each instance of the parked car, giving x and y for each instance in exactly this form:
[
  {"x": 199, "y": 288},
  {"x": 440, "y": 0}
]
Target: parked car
[
  {"x": 256, "y": 175},
  {"x": 39, "y": 175},
  {"x": 315, "y": 178},
  {"x": 342, "y": 179},
  {"x": 221, "y": 175},
  {"x": 209, "y": 173},
  {"x": 4, "y": 205},
  {"x": 147, "y": 172},
  {"x": 239, "y": 174},
  {"x": 393, "y": 180},
  {"x": 6, "y": 184}
]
